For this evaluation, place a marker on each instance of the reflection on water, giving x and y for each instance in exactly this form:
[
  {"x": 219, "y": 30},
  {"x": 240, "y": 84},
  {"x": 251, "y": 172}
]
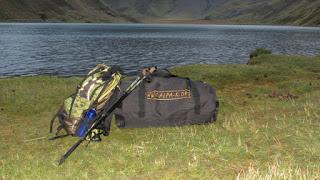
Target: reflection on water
[{"x": 72, "y": 49}]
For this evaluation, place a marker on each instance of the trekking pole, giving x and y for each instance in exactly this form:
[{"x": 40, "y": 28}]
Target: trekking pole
[{"x": 107, "y": 112}]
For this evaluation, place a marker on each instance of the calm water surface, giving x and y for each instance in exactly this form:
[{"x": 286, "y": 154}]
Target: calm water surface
[{"x": 72, "y": 49}]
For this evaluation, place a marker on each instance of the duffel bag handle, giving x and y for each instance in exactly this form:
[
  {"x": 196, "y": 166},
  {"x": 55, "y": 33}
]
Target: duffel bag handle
[
  {"x": 149, "y": 70},
  {"x": 195, "y": 94}
]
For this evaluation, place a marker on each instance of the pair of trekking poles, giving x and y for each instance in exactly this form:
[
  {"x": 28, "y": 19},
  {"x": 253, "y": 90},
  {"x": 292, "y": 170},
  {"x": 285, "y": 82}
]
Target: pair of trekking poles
[{"x": 107, "y": 112}]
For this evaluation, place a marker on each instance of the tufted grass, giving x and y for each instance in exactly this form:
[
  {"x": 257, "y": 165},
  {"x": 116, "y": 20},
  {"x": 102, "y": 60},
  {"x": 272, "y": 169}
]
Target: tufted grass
[{"x": 268, "y": 128}]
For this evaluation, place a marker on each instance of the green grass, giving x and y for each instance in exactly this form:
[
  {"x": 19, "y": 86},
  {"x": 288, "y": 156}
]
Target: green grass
[{"x": 268, "y": 127}]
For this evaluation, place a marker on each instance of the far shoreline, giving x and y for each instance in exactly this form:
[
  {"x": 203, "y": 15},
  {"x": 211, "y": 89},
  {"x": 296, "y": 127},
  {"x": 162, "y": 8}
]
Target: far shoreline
[{"x": 154, "y": 22}]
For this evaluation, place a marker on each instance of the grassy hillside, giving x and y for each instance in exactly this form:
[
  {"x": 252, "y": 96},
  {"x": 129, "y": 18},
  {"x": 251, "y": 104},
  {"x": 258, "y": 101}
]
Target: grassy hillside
[
  {"x": 304, "y": 12},
  {"x": 268, "y": 127},
  {"x": 59, "y": 10},
  {"x": 165, "y": 9}
]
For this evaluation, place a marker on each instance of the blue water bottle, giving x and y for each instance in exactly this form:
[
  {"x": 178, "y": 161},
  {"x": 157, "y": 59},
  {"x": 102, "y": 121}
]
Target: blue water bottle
[{"x": 86, "y": 122}]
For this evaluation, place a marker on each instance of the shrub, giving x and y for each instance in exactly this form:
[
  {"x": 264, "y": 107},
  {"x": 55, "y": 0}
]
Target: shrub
[
  {"x": 43, "y": 16},
  {"x": 259, "y": 51},
  {"x": 207, "y": 18},
  {"x": 256, "y": 53}
]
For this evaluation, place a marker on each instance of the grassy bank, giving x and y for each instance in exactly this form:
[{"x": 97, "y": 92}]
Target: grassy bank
[{"x": 268, "y": 126}]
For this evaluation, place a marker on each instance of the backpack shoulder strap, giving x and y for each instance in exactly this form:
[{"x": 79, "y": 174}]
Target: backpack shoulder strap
[
  {"x": 54, "y": 118},
  {"x": 52, "y": 121}
]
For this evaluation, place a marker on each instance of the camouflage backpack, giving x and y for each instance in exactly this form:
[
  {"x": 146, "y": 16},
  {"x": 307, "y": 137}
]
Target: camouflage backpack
[{"x": 92, "y": 94}]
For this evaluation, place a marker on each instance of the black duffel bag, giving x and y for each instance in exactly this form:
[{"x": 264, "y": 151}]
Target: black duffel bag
[{"x": 167, "y": 100}]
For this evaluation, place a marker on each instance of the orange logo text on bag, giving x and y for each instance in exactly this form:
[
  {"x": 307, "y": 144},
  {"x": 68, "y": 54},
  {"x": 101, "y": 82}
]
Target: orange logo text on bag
[{"x": 168, "y": 95}]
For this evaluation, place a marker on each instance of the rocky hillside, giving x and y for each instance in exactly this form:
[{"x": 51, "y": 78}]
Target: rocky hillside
[
  {"x": 165, "y": 9},
  {"x": 59, "y": 10},
  {"x": 295, "y": 12}
]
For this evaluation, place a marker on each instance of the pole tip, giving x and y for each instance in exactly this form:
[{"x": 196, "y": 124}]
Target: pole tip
[{"x": 61, "y": 161}]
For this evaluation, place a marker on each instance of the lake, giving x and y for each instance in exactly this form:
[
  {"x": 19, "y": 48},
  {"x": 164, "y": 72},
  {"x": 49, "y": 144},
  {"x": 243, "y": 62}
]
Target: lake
[{"x": 72, "y": 49}]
